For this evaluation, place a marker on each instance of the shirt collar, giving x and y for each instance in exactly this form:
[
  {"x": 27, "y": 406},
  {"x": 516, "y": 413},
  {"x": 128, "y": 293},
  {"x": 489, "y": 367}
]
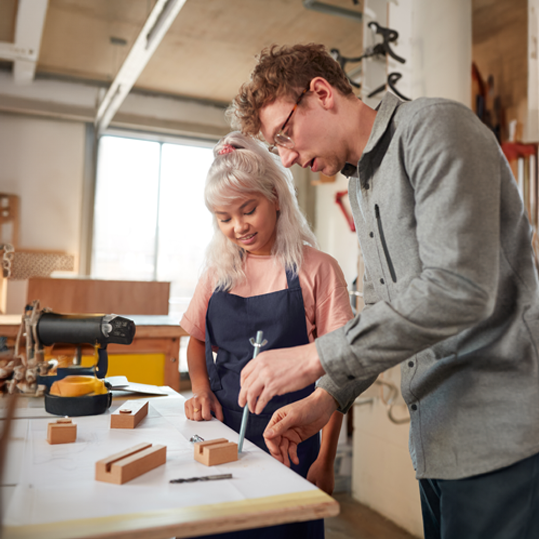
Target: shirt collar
[{"x": 386, "y": 109}]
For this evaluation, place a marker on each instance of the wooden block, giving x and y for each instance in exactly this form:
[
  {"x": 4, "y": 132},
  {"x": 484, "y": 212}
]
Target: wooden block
[
  {"x": 126, "y": 465},
  {"x": 129, "y": 415},
  {"x": 64, "y": 431},
  {"x": 217, "y": 451}
]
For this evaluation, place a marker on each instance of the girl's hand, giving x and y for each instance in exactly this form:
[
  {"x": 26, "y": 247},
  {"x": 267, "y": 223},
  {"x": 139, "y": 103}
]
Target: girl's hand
[
  {"x": 322, "y": 475},
  {"x": 200, "y": 406}
]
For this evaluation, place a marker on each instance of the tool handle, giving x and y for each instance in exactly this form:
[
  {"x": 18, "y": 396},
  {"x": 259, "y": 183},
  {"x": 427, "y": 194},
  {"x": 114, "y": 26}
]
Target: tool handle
[
  {"x": 243, "y": 428},
  {"x": 245, "y": 417},
  {"x": 102, "y": 362}
]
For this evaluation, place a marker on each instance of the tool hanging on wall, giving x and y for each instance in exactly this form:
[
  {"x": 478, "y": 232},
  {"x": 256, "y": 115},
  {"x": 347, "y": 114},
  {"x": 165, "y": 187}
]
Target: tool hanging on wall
[
  {"x": 383, "y": 49},
  {"x": 392, "y": 79},
  {"x": 343, "y": 60},
  {"x": 7, "y": 259},
  {"x": 380, "y": 49},
  {"x": 338, "y": 200}
]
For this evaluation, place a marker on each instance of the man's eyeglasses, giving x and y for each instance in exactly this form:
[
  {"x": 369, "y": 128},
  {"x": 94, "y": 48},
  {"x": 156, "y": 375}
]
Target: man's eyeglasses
[{"x": 280, "y": 138}]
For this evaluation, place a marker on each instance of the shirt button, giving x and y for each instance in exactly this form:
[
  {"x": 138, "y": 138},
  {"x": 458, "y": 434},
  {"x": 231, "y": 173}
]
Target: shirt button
[
  {"x": 414, "y": 407},
  {"x": 382, "y": 281},
  {"x": 410, "y": 363},
  {"x": 371, "y": 234}
]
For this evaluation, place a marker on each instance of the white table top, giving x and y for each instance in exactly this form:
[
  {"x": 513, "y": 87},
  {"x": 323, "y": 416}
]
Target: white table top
[{"x": 54, "y": 493}]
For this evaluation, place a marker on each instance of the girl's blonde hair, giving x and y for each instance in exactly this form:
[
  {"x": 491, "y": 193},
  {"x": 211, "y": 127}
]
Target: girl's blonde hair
[{"x": 245, "y": 166}]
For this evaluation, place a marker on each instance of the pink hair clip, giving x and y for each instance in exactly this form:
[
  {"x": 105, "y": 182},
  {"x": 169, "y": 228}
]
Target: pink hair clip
[{"x": 227, "y": 148}]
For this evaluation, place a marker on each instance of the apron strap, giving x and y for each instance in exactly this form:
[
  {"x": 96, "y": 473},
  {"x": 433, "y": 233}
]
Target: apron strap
[
  {"x": 213, "y": 375},
  {"x": 292, "y": 279}
]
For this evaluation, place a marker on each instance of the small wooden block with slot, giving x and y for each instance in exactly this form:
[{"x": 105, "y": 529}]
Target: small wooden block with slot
[
  {"x": 126, "y": 465},
  {"x": 217, "y": 451},
  {"x": 64, "y": 431},
  {"x": 129, "y": 415}
]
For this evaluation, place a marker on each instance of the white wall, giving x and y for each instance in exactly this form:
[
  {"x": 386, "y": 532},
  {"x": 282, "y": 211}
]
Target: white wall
[
  {"x": 436, "y": 40},
  {"x": 42, "y": 163},
  {"x": 332, "y": 230},
  {"x": 383, "y": 475}
]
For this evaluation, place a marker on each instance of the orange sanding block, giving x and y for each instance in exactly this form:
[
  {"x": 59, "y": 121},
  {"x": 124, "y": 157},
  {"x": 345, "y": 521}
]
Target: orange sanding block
[
  {"x": 129, "y": 415},
  {"x": 129, "y": 464},
  {"x": 217, "y": 451}
]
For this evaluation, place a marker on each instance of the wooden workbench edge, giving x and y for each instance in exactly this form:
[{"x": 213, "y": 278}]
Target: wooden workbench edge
[{"x": 188, "y": 521}]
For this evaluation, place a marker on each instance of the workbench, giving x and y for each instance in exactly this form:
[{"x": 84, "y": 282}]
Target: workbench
[
  {"x": 49, "y": 491},
  {"x": 155, "y": 334}
]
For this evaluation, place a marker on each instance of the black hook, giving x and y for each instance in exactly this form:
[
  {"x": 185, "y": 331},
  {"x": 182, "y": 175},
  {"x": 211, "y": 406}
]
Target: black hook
[
  {"x": 388, "y": 36},
  {"x": 392, "y": 79},
  {"x": 342, "y": 61},
  {"x": 380, "y": 49}
]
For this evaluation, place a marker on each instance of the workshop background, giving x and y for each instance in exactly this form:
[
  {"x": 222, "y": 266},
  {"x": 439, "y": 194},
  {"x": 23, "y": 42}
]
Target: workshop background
[{"x": 103, "y": 103}]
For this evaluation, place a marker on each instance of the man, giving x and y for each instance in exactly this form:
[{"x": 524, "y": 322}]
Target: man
[{"x": 451, "y": 291}]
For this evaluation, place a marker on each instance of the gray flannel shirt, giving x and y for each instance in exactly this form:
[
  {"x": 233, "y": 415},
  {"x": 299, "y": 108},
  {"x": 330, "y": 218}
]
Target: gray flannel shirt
[{"x": 451, "y": 290}]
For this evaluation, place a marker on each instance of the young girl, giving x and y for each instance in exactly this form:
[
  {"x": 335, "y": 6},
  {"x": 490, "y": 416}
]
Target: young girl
[{"x": 262, "y": 274}]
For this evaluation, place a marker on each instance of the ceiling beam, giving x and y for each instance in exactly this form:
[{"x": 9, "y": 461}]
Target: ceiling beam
[
  {"x": 330, "y": 9},
  {"x": 155, "y": 28},
  {"x": 24, "y": 52}
]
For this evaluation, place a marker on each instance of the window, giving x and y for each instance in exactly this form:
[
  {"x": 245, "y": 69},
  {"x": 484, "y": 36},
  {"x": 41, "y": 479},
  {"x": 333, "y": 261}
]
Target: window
[{"x": 150, "y": 221}]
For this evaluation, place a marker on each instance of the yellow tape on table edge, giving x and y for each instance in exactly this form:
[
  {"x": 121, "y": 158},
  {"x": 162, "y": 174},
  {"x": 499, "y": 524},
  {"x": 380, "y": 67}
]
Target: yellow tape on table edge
[{"x": 186, "y": 521}]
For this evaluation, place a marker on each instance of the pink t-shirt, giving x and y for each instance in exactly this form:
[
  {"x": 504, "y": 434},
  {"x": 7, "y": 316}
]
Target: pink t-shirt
[{"x": 324, "y": 289}]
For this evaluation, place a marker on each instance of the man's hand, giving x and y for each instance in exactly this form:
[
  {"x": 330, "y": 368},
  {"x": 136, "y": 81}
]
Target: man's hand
[
  {"x": 296, "y": 422},
  {"x": 277, "y": 372}
]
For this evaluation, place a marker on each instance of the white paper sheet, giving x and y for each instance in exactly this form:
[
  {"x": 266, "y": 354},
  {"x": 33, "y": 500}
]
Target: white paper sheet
[
  {"x": 57, "y": 482},
  {"x": 123, "y": 384}
]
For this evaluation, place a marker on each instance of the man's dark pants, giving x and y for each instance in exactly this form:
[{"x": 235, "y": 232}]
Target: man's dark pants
[{"x": 503, "y": 504}]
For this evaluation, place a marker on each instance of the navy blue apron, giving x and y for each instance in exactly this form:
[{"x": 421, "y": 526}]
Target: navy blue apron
[{"x": 230, "y": 323}]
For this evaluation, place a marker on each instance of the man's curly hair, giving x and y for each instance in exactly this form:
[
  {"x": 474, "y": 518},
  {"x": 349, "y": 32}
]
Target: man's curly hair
[{"x": 283, "y": 71}]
